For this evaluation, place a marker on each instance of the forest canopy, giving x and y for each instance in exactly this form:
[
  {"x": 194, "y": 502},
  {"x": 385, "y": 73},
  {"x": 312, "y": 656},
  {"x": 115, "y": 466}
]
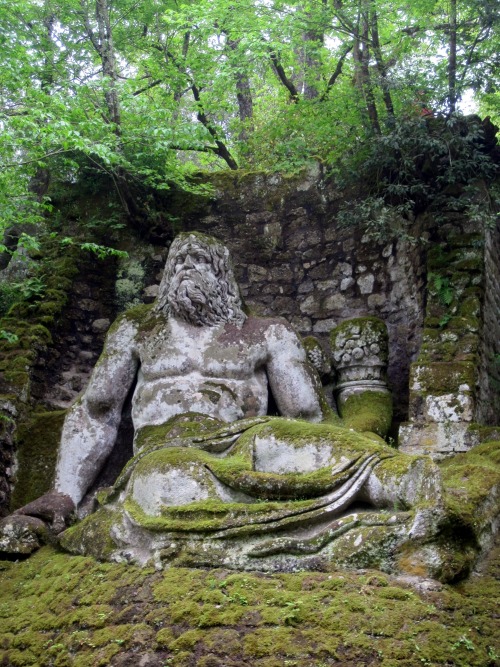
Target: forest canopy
[{"x": 150, "y": 91}]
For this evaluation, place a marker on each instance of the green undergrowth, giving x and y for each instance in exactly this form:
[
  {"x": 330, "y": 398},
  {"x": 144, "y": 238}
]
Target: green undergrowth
[{"x": 63, "y": 610}]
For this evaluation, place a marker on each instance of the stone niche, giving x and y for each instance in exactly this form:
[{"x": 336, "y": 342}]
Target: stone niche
[
  {"x": 440, "y": 302},
  {"x": 292, "y": 259}
]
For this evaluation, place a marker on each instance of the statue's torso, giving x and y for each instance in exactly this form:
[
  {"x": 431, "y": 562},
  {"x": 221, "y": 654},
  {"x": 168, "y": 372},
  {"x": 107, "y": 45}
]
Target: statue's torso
[{"x": 218, "y": 371}]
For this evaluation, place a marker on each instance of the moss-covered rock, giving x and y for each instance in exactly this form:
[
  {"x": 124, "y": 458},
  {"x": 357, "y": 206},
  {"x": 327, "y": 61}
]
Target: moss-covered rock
[
  {"x": 38, "y": 440},
  {"x": 368, "y": 411}
]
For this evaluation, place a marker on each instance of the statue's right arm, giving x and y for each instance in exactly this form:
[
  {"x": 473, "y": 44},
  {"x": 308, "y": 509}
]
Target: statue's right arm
[{"x": 91, "y": 425}]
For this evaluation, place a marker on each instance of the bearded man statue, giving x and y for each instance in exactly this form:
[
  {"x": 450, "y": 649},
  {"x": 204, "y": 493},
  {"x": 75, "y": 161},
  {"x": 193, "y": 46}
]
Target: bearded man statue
[{"x": 215, "y": 480}]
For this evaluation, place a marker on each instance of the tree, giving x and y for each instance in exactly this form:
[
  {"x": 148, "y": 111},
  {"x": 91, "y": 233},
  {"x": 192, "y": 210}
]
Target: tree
[{"x": 144, "y": 94}]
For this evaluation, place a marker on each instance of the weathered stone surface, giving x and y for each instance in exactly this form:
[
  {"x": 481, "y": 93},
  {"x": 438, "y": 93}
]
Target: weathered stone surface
[
  {"x": 53, "y": 508},
  {"x": 234, "y": 486},
  {"x": 438, "y": 440},
  {"x": 22, "y": 534}
]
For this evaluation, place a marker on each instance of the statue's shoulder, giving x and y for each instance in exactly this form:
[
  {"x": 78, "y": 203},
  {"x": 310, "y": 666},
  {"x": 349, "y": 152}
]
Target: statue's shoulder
[
  {"x": 139, "y": 321},
  {"x": 266, "y": 327}
]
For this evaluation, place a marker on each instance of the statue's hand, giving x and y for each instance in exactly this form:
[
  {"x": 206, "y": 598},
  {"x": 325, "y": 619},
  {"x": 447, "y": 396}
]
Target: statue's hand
[{"x": 54, "y": 508}]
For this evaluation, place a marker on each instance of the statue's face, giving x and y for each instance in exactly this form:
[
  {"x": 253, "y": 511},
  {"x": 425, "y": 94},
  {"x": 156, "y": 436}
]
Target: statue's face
[
  {"x": 194, "y": 291},
  {"x": 193, "y": 258},
  {"x": 198, "y": 285}
]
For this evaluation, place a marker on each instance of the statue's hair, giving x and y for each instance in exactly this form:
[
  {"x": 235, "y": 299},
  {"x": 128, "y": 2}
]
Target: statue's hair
[{"x": 226, "y": 305}]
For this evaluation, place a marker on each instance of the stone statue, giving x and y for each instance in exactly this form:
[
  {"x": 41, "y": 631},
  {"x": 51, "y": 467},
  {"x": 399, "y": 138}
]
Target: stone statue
[{"x": 214, "y": 479}]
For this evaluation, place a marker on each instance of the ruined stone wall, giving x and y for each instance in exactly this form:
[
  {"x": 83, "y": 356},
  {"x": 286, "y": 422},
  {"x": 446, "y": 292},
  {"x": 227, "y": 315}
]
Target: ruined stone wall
[
  {"x": 449, "y": 386},
  {"x": 488, "y": 407},
  {"x": 292, "y": 259}
]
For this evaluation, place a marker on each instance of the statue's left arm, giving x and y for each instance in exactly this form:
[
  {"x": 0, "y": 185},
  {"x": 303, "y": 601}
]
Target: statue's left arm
[
  {"x": 294, "y": 383},
  {"x": 91, "y": 425}
]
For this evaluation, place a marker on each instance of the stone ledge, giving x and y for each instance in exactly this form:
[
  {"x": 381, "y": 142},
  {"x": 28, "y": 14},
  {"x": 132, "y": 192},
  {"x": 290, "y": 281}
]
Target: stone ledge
[{"x": 437, "y": 440}]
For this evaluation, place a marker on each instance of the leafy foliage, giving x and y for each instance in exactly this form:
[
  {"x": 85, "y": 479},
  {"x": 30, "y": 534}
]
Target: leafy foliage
[
  {"x": 421, "y": 165},
  {"x": 145, "y": 94}
]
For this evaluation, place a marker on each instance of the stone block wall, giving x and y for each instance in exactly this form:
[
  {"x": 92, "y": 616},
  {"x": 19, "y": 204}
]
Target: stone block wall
[
  {"x": 488, "y": 404},
  {"x": 452, "y": 383}
]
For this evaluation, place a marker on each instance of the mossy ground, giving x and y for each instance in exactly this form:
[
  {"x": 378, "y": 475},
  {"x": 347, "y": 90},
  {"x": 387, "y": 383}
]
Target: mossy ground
[{"x": 63, "y": 610}]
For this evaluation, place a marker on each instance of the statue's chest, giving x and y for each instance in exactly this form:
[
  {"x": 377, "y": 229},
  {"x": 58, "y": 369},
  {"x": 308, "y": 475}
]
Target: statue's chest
[{"x": 169, "y": 355}]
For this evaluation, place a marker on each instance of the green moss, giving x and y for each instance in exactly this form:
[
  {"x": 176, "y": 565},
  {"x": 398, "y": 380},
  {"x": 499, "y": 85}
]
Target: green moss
[
  {"x": 92, "y": 535},
  {"x": 19, "y": 363},
  {"x": 372, "y": 325},
  {"x": 38, "y": 443},
  {"x": 443, "y": 377},
  {"x": 485, "y": 433},
  {"x": 60, "y": 609},
  {"x": 29, "y": 320},
  {"x": 142, "y": 315},
  {"x": 469, "y": 323},
  {"x": 49, "y": 308},
  {"x": 40, "y": 333},
  {"x": 369, "y": 411},
  {"x": 187, "y": 425},
  {"x": 468, "y": 481},
  {"x": 17, "y": 381}
]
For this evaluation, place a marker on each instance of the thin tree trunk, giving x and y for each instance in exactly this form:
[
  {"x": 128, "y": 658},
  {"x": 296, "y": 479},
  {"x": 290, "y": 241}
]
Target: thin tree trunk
[
  {"x": 382, "y": 69},
  {"x": 309, "y": 79},
  {"x": 362, "y": 79},
  {"x": 338, "y": 71},
  {"x": 452, "y": 58},
  {"x": 367, "y": 85},
  {"x": 222, "y": 150},
  {"x": 281, "y": 74},
  {"x": 103, "y": 44},
  {"x": 108, "y": 63},
  {"x": 243, "y": 93}
]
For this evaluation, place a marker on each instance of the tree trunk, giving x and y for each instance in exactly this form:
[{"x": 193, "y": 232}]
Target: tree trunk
[
  {"x": 362, "y": 79},
  {"x": 103, "y": 44},
  {"x": 381, "y": 68},
  {"x": 108, "y": 63},
  {"x": 308, "y": 80},
  {"x": 310, "y": 62},
  {"x": 452, "y": 58},
  {"x": 243, "y": 93}
]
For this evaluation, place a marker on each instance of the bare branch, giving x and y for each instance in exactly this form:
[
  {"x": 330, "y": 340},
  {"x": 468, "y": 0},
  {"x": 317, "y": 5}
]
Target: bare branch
[
  {"x": 13, "y": 165},
  {"x": 337, "y": 72},
  {"x": 148, "y": 87},
  {"x": 280, "y": 73}
]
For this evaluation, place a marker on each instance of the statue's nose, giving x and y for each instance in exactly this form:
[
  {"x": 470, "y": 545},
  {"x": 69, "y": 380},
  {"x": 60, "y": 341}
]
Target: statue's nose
[{"x": 189, "y": 262}]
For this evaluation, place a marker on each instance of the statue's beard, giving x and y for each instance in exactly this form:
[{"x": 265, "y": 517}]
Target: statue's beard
[{"x": 198, "y": 298}]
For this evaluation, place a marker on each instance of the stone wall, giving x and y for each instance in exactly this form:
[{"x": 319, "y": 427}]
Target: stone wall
[
  {"x": 452, "y": 383},
  {"x": 488, "y": 405}
]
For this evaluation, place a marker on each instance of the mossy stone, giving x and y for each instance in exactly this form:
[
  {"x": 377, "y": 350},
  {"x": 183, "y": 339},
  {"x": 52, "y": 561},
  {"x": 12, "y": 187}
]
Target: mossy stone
[
  {"x": 368, "y": 411},
  {"x": 38, "y": 444}
]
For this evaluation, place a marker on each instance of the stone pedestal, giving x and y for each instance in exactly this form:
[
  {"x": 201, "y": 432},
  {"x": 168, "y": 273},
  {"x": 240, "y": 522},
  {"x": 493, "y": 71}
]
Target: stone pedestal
[{"x": 359, "y": 354}]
